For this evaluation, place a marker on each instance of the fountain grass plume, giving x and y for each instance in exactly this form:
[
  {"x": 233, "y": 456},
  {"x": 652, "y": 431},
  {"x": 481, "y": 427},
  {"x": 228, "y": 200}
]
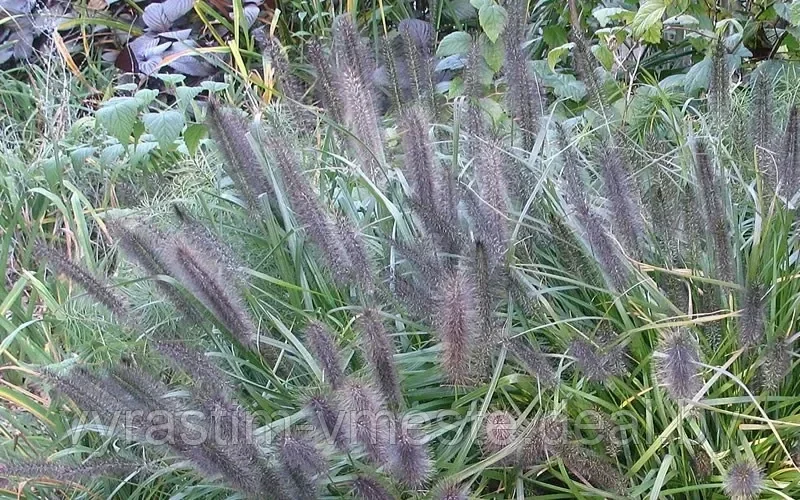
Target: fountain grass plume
[
  {"x": 789, "y": 157},
  {"x": 289, "y": 86},
  {"x": 370, "y": 488},
  {"x": 524, "y": 97},
  {"x": 597, "y": 240},
  {"x": 319, "y": 225},
  {"x": 67, "y": 473},
  {"x": 744, "y": 480},
  {"x": 350, "y": 51},
  {"x": 378, "y": 347},
  {"x": 716, "y": 216},
  {"x": 326, "y": 82},
  {"x": 301, "y": 464},
  {"x": 409, "y": 457},
  {"x": 533, "y": 360},
  {"x": 456, "y": 321},
  {"x": 324, "y": 412},
  {"x": 449, "y": 490},
  {"x": 229, "y": 130},
  {"x": 203, "y": 278},
  {"x": 677, "y": 364},
  {"x": 624, "y": 199},
  {"x": 493, "y": 203},
  {"x": 370, "y": 423},
  {"x": 719, "y": 86},
  {"x": 321, "y": 341},
  {"x": 752, "y": 331},
  {"x": 776, "y": 364},
  {"x": 95, "y": 287},
  {"x": 361, "y": 119}
]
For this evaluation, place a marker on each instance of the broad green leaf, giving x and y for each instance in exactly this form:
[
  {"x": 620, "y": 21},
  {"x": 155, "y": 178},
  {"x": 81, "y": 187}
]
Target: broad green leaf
[
  {"x": 698, "y": 76},
  {"x": 555, "y": 54},
  {"x": 193, "y": 135},
  {"x": 555, "y": 35},
  {"x": 457, "y": 42},
  {"x": 605, "y": 15},
  {"x": 186, "y": 95},
  {"x": 145, "y": 96},
  {"x": 563, "y": 85},
  {"x": 646, "y": 23},
  {"x": 165, "y": 126},
  {"x": 789, "y": 11},
  {"x": 493, "y": 54},
  {"x": 214, "y": 86},
  {"x": 604, "y": 55},
  {"x": 171, "y": 79},
  {"x": 478, "y": 4},
  {"x": 493, "y": 18},
  {"x": 118, "y": 116}
]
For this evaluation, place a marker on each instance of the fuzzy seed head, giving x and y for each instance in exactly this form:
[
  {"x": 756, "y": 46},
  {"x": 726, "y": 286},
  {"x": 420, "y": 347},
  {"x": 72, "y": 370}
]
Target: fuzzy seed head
[
  {"x": 450, "y": 490},
  {"x": 322, "y": 344},
  {"x": 409, "y": 458},
  {"x": 456, "y": 321},
  {"x": 379, "y": 349},
  {"x": 499, "y": 431},
  {"x": 743, "y": 480},
  {"x": 677, "y": 364},
  {"x": 369, "y": 488}
]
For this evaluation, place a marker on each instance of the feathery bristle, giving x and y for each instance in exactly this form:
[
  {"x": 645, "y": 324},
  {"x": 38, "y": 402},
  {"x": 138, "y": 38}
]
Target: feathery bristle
[
  {"x": 598, "y": 242},
  {"x": 318, "y": 224},
  {"x": 744, "y": 480},
  {"x": 624, "y": 199},
  {"x": 751, "y": 319},
  {"x": 230, "y": 130},
  {"x": 409, "y": 458},
  {"x": 456, "y": 320},
  {"x": 789, "y": 157},
  {"x": 499, "y": 431},
  {"x": 369, "y": 488},
  {"x": 350, "y": 50},
  {"x": 677, "y": 364},
  {"x": 711, "y": 192},
  {"x": 490, "y": 329},
  {"x": 719, "y": 97},
  {"x": 203, "y": 372},
  {"x": 584, "y": 66},
  {"x": 663, "y": 203},
  {"x": 493, "y": 192},
  {"x": 473, "y": 92},
  {"x": 379, "y": 348},
  {"x": 301, "y": 461},
  {"x": 71, "y": 472},
  {"x": 289, "y": 86},
  {"x": 322, "y": 344},
  {"x": 94, "y": 286},
  {"x": 362, "y": 120},
  {"x": 587, "y": 464},
  {"x": 418, "y": 62},
  {"x": 388, "y": 77},
  {"x": 776, "y": 363},
  {"x": 596, "y": 363},
  {"x": 449, "y": 490},
  {"x": 204, "y": 279},
  {"x": 326, "y": 82},
  {"x": 325, "y": 414},
  {"x": 362, "y": 274},
  {"x": 92, "y": 394},
  {"x": 369, "y": 423},
  {"x": 761, "y": 110},
  {"x": 419, "y": 157},
  {"x": 524, "y": 96},
  {"x": 144, "y": 245},
  {"x": 534, "y": 362}
]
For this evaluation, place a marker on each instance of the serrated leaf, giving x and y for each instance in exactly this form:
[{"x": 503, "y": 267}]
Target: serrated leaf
[
  {"x": 555, "y": 54},
  {"x": 605, "y": 15},
  {"x": 118, "y": 116},
  {"x": 165, "y": 126},
  {"x": 478, "y": 3},
  {"x": 564, "y": 85},
  {"x": 141, "y": 152},
  {"x": 604, "y": 55},
  {"x": 111, "y": 153},
  {"x": 698, "y": 76},
  {"x": 214, "y": 86},
  {"x": 493, "y": 54},
  {"x": 646, "y": 23},
  {"x": 493, "y": 19},
  {"x": 145, "y": 96},
  {"x": 455, "y": 43},
  {"x": 186, "y": 95},
  {"x": 172, "y": 79},
  {"x": 193, "y": 135},
  {"x": 555, "y": 35}
]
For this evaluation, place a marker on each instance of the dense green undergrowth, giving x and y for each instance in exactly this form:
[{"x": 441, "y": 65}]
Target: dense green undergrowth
[{"x": 589, "y": 294}]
